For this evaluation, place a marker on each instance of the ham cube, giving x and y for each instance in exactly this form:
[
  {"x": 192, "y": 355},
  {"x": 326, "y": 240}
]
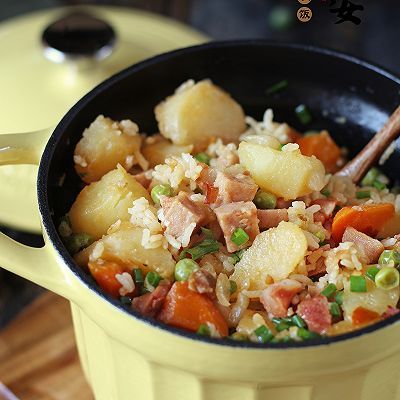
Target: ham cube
[
  {"x": 180, "y": 212},
  {"x": 369, "y": 249},
  {"x": 150, "y": 304},
  {"x": 238, "y": 215},
  {"x": 233, "y": 189},
  {"x": 276, "y": 298},
  {"x": 315, "y": 311},
  {"x": 271, "y": 218}
]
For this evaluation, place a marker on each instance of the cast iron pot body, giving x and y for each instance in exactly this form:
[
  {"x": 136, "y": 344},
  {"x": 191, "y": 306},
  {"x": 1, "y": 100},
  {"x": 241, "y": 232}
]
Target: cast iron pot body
[{"x": 126, "y": 356}]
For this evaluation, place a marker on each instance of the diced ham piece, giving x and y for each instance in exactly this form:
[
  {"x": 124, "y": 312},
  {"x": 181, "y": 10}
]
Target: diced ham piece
[
  {"x": 271, "y": 218},
  {"x": 320, "y": 268},
  {"x": 180, "y": 212},
  {"x": 327, "y": 209},
  {"x": 327, "y": 206},
  {"x": 315, "y": 311},
  {"x": 232, "y": 189},
  {"x": 201, "y": 281},
  {"x": 390, "y": 312},
  {"x": 282, "y": 203},
  {"x": 207, "y": 176},
  {"x": 276, "y": 298},
  {"x": 143, "y": 179},
  {"x": 150, "y": 304},
  {"x": 238, "y": 215},
  {"x": 369, "y": 249},
  {"x": 226, "y": 159}
]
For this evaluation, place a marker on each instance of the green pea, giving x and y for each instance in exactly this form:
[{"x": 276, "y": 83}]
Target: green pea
[
  {"x": 265, "y": 200},
  {"x": 184, "y": 268},
  {"x": 387, "y": 278},
  {"x": 161, "y": 190}
]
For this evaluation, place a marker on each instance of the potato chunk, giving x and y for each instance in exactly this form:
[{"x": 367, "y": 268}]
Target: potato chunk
[
  {"x": 375, "y": 299},
  {"x": 124, "y": 247},
  {"x": 156, "y": 149},
  {"x": 197, "y": 113},
  {"x": 287, "y": 174},
  {"x": 274, "y": 253},
  {"x": 102, "y": 203},
  {"x": 105, "y": 144}
]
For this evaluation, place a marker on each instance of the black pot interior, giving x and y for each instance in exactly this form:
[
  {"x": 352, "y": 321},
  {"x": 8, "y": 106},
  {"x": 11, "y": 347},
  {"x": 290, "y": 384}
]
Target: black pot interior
[{"x": 350, "y": 98}]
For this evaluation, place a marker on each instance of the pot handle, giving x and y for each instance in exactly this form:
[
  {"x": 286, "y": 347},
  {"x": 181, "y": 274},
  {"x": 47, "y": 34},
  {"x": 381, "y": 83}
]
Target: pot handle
[{"x": 38, "y": 265}]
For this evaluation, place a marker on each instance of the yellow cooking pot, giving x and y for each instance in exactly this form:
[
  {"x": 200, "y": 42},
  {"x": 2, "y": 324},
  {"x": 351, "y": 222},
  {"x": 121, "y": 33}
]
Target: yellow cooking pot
[{"x": 127, "y": 356}]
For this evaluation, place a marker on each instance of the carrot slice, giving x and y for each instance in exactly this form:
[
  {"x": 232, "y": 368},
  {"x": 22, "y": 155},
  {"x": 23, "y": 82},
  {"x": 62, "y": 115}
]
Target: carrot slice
[
  {"x": 104, "y": 274},
  {"x": 323, "y": 147},
  {"x": 368, "y": 218},
  {"x": 363, "y": 316},
  {"x": 187, "y": 309}
]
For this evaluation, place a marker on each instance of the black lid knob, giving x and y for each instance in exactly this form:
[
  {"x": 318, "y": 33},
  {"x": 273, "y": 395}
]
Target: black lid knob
[{"x": 78, "y": 35}]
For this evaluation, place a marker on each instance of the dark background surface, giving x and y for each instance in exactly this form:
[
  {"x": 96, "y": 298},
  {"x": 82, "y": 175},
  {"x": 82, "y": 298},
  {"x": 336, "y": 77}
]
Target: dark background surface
[{"x": 375, "y": 39}]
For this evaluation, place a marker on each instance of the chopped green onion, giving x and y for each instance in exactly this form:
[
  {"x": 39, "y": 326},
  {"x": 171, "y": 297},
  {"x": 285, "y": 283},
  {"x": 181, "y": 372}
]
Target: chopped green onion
[
  {"x": 303, "y": 114},
  {"x": 370, "y": 177},
  {"x": 281, "y": 146},
  {"x": 263, "y": 334},
  {"x": 320, "y": 235},
  {"x": 371, "y": 272},
  {"x": 78, "y": 241},
  {"x": 298, "y": 321},
  {"x": 389, "y": 257},
  {"x": 276, "y": 320},
  {"x": 387, "y": 278},
  {"x": 339, "y": 297},
  {"x": 239, "y": 236},
  {"x": 238, "y": 336},
  {"x": 203, "y": 158},
  {"x": 204, "y": 330},
  {"x": 277, "y": 87},
  {"x": 329, "y": 291},
  {"x": 325, "y": 192},
  {"x": 335, "y": 310},
  {"x": 184, "y": 268},
  {"x": 379, "y": 185},
  {"x": 232, "y": 287},
  {"x": 207, "y": 233},
  {"x": 161, "y": 190},
  {"x": 282, "y": 326},
  {"x": 125, "y": 300},
  {"x": 137, "y": 274},
  {"x": 264, "y": 200},
  {"x": 358, "y": 284},
  {"x": 204, "y": 247},
  {"x": 237, "y": 256},
  {"x": 305, "y": 334},
  {"x": 364, "y": 194},
  {"x": 151, "y": 281}
]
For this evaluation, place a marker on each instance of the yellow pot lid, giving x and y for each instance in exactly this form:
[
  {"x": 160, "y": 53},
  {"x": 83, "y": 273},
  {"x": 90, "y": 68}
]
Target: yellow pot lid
[{"x": 36, "y": 92}]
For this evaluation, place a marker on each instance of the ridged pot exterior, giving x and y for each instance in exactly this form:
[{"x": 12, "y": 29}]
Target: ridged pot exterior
[{"x": 129, "y": 360}]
